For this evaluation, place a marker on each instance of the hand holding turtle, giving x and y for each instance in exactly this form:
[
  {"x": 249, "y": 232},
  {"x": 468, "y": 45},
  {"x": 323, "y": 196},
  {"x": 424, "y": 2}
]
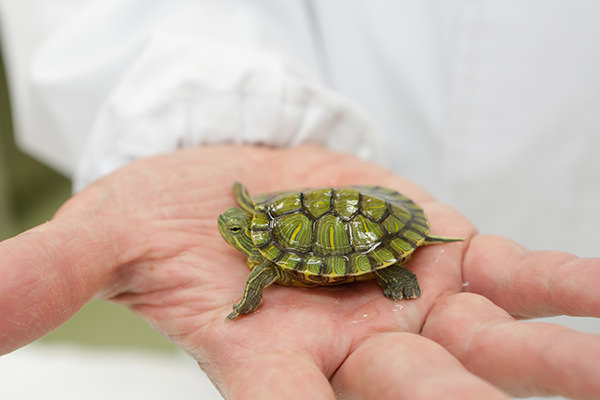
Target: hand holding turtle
[{"x": 146, "y": 237}]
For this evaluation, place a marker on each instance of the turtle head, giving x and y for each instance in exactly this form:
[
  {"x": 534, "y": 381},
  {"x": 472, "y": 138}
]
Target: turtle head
[{"x": 234, "y": 225}]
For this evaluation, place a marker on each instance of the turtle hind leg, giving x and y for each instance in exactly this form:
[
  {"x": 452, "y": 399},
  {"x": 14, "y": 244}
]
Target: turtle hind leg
[
  {"x": 398, "y": 282},
  {"x": 261, "y": 276}
]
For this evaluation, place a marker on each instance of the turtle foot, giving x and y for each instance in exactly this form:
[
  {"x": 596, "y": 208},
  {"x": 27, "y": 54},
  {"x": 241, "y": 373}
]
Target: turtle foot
[
  {"x": 398, "y": 283},
  {"x": 243, "y": 308},
  {"x": 399, "y": 292}
]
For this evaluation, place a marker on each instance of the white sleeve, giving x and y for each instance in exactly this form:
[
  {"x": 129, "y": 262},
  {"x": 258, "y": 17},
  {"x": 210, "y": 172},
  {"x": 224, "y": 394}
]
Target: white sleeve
[{"x": 115, "y": 81}]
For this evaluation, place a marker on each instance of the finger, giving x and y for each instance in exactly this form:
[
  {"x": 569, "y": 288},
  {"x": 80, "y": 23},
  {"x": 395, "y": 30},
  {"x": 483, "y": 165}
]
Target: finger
[
  {"x": 282, "y": 375},
  {"x": 524, "y": 358},
  {"x": 407, "y": 366},
  {"x": 47, "y": 274},
  {"x": 532, "y": 284}
]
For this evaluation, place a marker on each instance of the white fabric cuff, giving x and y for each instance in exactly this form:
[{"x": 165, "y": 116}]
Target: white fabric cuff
[{"x": 181, "y": 93}]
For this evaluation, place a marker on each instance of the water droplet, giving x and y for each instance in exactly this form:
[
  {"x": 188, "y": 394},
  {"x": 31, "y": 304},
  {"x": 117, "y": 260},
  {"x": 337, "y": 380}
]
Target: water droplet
[
  {"x": 439, "y": 254},
  {"x": 363, "y": 319},
  {"x": 465, "y": 284}
]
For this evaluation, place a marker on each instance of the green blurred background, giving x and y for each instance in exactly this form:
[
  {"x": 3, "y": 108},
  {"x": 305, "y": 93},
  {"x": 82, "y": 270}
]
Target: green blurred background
[{"x": 30, "y": 193}]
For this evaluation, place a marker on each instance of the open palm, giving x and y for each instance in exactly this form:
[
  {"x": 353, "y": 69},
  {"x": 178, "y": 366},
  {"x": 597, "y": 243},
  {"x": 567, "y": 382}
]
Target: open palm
[{"x": 147, "y": 237}]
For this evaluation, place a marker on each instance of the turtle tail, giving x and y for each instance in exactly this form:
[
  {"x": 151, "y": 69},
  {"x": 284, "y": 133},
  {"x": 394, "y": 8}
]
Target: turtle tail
[{"x": 431, "y": 239}]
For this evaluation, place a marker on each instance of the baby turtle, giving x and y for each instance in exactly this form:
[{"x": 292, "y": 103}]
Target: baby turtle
[{"x": 326, "y": 237}]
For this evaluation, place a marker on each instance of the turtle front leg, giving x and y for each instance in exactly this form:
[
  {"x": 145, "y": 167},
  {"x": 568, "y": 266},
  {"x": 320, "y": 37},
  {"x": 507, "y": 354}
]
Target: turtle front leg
[
  {"x": 261, "y": 276},
  {"x": 398, "y": 282}
]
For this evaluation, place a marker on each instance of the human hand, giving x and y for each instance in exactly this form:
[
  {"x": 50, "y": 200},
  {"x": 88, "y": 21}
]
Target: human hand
[{"x": 146, "y": 237}]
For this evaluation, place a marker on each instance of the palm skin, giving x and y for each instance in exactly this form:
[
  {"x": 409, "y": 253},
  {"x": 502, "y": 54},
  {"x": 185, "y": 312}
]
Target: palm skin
[{"x": 147, "y": 237}]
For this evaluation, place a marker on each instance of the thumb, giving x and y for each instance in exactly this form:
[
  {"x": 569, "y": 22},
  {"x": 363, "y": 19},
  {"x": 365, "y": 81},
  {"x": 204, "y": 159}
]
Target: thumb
[{"x": 47, "y": 274}]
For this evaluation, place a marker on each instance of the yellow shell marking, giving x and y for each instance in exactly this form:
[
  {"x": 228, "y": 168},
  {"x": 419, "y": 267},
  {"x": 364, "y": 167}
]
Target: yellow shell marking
[{"x": 332, "y": 236}]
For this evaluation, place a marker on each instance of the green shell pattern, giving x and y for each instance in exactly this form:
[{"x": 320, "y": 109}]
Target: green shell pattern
[{"x": 337, "y": 235}]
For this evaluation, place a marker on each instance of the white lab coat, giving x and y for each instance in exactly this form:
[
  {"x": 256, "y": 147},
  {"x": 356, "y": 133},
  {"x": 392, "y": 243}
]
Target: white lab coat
[{"x": 493, "y": 106}]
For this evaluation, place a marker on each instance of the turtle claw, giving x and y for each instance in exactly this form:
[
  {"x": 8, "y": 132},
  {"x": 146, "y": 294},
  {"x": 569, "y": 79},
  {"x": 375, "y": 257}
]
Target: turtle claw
[
  {"x": 398, "y": 292},
  {"x": 233, "y": 315},
  {"x": 239, "y": 309},
  {"x": 416, "y": 292}
]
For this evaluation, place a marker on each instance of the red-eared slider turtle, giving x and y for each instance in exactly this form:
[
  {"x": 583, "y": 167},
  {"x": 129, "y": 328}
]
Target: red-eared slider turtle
[{"x": 326, "y": 237}]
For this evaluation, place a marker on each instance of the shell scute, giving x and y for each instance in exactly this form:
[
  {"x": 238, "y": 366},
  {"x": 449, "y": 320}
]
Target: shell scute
[
  {"x": 393, "y": 224},
  {"x": 317, "y": 202},
  {"x": 346, "y": 203},
  {"x": 292, "y": 260},
  {"x": 360, "y": 263},
  {"x": 402, "y": 212},
  {"x": 261, "y": 222},
  {"x": 373, "y": 207},
  {"x": 400, "y": 246},
  {"x": 382, "y": 257},
  {"x": 293, "y": 232},
  {"x": 335, "y": 266},
  {"x": 331, "y": 236},
  {"x": 365, "y": 233},
  {"x": 416, "y": 237},
  {"x": 260, "y": 237},
  {"x": 314, "y": 265},
  {"x": 285, "y": 203}
]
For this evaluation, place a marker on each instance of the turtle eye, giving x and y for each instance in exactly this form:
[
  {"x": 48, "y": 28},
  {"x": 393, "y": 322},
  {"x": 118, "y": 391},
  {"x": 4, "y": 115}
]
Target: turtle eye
[{"x": 235, "y": 229}]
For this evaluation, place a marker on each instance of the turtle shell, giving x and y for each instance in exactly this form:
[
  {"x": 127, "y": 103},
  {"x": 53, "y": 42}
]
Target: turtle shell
[{"x": 337, "y": 235}]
